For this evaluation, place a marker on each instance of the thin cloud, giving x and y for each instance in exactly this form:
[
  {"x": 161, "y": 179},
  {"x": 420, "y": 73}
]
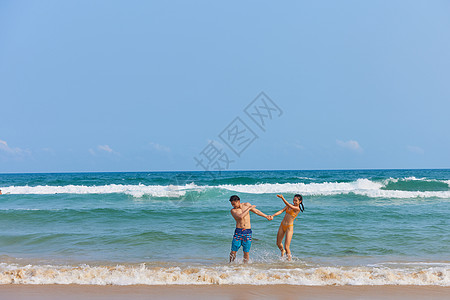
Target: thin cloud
[
  {"x": 102, "y": 148},
  {"x": 105, "y": 148},
  {"x": 415, "y": 149},
  {"x": 4, "y": 147},
  {"x": 50, "y": 150},
  {"x": 350, "y": 145},
  {"x": 159, "y": 147},
  {"x": 299, "y": 146}
]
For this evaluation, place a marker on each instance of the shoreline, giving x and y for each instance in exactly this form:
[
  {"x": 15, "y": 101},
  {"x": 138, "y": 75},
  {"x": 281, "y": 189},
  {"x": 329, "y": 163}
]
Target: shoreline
[{"x": 248, "y": 292}]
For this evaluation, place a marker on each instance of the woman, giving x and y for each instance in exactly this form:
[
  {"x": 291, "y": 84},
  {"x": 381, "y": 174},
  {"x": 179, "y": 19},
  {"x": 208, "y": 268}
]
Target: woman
[{"x": 287, "y": 225}]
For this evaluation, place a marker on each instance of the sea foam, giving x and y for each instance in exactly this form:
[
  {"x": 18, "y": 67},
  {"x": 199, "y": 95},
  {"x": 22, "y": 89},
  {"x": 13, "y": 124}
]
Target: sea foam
[
  {"x": 134, "y": 190},
  {"x": 362, "y": 186},
  {"x": 131, "y": 275}
]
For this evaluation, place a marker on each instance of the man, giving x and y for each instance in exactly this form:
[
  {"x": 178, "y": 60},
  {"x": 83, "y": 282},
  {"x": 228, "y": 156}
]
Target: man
[{"x": 243, "y": 233}]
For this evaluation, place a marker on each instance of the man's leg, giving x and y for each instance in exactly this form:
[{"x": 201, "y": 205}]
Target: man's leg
[
  {"x": 236, "y": 243},
  {"x": 232, "y": 256},
  {"x": 246, "y": 245},
  {"x": 246, "y": 257}
]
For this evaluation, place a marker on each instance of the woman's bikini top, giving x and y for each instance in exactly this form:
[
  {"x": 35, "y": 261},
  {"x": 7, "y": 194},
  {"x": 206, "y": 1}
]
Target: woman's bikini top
[{"x": 291, "y": 212}]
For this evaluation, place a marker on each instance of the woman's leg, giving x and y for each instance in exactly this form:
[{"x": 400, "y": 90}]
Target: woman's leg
[
  {"x": 280, "y": 236},
  {"x": 287, "y": 241}
]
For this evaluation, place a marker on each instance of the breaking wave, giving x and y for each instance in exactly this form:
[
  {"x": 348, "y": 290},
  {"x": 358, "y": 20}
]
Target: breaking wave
[
  {"x": 131, "y": 275},
  {"x": 389, "y": 188}
]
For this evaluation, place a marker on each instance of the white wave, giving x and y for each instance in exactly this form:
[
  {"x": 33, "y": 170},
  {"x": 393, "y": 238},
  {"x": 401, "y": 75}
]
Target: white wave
[
  {"x": 326, "y": 188},
  {"x": 412, "y": 178},
  {"x": 362, "y": 186},
  {"x": 126, "y": 275},
  {"x": 413, "y": 264},
  {"x": 140, "y": 190},
  {"x": 403, "y": 194}
]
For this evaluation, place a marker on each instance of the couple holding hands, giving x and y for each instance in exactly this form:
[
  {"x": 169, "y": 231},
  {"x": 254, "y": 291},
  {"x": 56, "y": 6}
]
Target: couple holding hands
[{"x": 243, "y": 233}]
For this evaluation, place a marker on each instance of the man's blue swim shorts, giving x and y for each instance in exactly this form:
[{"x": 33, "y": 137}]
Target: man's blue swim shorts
[{"x": 242, "y": 237}]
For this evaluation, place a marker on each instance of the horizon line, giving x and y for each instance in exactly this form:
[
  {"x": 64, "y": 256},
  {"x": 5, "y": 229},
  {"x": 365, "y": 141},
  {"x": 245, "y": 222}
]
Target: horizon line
[{"x": 225, "y": 171}]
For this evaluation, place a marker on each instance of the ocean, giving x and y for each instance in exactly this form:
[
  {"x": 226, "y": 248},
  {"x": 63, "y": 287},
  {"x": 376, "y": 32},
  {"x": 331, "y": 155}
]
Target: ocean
[{"x": 359, "y": 227}]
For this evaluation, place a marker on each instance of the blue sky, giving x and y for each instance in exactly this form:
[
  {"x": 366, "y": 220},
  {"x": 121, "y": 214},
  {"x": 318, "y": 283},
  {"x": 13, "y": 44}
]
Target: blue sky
[{"x": 146, "y": 85}]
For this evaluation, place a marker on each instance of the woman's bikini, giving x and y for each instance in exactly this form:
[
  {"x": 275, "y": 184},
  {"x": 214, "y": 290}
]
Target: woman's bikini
[{"x": 292, "y": 213}]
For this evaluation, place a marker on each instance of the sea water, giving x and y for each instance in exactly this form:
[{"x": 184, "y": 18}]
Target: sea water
[{"x": 359, "y": 227}]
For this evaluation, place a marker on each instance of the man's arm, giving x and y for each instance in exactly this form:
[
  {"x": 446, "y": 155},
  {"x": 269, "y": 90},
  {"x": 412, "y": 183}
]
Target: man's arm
[
  {"x": 243, "y": 213},
  {"x": 259, "y": 213}
]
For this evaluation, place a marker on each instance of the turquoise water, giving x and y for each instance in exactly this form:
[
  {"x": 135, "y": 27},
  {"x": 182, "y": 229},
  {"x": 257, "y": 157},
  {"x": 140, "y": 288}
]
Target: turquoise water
[{"x": 358, "y": 227}]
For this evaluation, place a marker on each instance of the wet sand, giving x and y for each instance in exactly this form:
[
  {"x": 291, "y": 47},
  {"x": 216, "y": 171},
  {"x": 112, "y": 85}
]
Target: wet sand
[{"x": 235, "y": 292}]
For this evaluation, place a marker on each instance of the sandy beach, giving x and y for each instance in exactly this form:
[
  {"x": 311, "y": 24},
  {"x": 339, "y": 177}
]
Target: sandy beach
[{"x": 247, "y": 292}]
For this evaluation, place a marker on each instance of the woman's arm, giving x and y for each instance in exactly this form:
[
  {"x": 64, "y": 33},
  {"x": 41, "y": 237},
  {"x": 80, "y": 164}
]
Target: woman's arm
[
  {"x": 279, "y": 212},
  {"x": 287, "y": 203}
]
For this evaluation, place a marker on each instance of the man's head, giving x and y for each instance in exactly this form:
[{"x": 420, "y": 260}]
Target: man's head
[{"x": 235, "y": 201}]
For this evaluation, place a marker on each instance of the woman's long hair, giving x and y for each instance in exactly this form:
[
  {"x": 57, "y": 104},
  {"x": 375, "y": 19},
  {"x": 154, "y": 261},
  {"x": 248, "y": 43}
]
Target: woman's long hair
[{"x": 302, "y": 208}]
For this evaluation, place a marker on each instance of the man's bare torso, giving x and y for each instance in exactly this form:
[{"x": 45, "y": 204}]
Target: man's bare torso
[{"x": 243, "y": 222}]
